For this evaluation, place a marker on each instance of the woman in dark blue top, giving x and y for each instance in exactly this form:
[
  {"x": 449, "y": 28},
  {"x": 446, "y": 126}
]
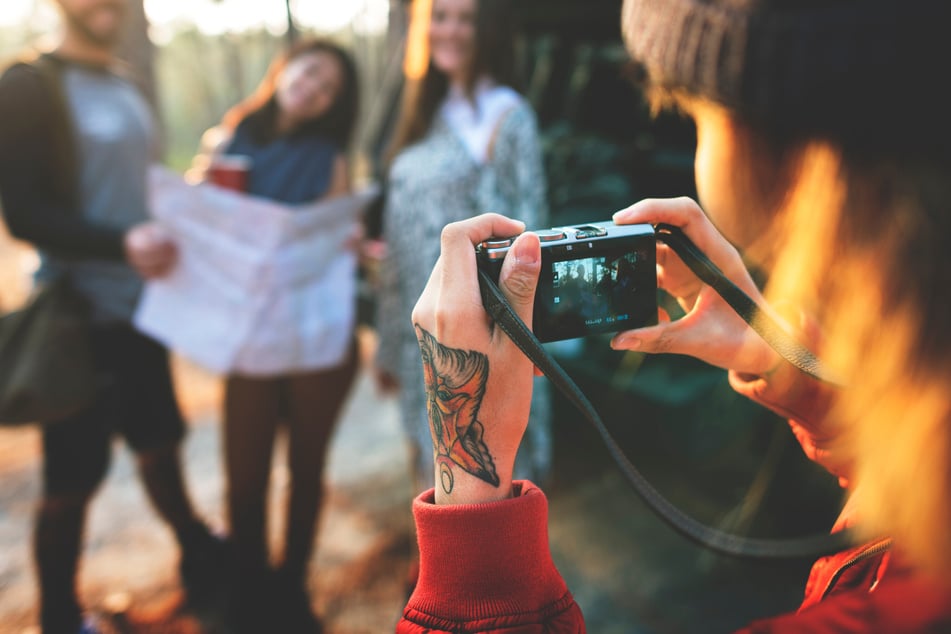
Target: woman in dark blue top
[{"x": 296, "y": 128}]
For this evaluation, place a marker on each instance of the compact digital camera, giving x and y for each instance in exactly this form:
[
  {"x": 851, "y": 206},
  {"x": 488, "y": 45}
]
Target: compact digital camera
[{"x": 595, "y": 278}]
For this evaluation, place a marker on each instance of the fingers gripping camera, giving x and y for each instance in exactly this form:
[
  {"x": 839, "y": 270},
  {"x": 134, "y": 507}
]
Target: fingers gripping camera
[{"x": 595, "y": 278}]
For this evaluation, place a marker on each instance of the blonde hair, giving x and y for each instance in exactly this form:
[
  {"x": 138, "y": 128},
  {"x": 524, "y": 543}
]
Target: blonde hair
[
  {"x": 861, "y": 246},
  {"x": 858, "y": 241}
]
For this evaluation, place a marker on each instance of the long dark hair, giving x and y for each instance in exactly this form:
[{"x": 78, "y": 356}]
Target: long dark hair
[
  {"x": 259, "y": 111},
  {"x": 494, "y": 56}
]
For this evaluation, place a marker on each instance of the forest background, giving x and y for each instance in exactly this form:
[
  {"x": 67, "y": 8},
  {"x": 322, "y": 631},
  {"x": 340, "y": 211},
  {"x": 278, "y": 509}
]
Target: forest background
[{"x": 196, "y": 58}]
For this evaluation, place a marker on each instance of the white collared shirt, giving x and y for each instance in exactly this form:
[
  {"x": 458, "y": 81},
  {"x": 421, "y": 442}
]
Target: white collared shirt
[{"x": 475, "y": 120}]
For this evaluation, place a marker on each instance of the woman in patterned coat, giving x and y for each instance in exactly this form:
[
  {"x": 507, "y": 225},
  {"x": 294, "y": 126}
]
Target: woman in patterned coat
[{"x": 466, "y": 143}]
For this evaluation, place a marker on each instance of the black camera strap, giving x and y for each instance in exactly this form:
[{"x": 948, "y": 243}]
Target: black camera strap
[
  {"x": 771, "y": 332},
  {"x": 790, "y": 349}
]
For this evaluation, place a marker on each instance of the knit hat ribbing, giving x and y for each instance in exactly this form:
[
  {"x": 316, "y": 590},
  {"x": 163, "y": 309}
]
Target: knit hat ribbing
[{"x": 868, "y": 73}]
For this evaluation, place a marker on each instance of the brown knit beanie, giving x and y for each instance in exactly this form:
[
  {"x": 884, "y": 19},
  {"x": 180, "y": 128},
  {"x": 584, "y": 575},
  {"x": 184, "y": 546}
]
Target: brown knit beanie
[{"x": 871, "y": 74}]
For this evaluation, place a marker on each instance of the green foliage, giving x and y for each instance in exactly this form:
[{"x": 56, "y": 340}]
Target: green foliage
[{"x": 199, "y": 77}]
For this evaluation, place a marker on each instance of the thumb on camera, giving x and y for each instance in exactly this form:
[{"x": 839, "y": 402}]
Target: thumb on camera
[{"x": 519, "y": 276}]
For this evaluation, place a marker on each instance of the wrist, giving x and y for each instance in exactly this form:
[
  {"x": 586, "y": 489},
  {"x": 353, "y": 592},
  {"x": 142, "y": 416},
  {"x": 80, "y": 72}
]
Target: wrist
[
  {"x": 773, "y": 364},
  {"x": 455, "y": 486},
  {"x": 778, "y": 377}
]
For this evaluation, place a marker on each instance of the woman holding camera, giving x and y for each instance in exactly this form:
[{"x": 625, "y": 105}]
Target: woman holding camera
[
  {"x": 466, "y": 141},
  {"x": 840, "y": 190}
]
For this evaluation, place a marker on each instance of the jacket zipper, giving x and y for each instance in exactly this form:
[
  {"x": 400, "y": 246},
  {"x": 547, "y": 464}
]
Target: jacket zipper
[{"x": 869, "y": 551}]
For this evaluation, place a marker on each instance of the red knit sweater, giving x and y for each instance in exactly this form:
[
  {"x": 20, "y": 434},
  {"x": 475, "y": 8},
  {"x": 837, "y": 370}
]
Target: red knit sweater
[{"x": 487, "y": 568}]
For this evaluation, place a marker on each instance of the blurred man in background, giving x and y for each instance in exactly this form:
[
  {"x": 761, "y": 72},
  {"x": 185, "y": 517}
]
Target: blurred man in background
[{"x": 76, "y": 139}]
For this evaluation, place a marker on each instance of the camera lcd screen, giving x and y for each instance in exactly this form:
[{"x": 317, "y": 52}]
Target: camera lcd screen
[{"x": 607, "y": 291}]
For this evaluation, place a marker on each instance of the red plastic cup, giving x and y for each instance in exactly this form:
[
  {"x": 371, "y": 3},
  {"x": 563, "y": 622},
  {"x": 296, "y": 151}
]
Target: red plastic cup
[{"x": 230, "y": 171}]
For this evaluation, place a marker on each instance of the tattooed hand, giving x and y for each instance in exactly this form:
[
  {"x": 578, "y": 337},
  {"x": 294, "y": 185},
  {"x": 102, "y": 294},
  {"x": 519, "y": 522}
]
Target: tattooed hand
[
  {"x": 478, "y": 383},
  {"x": 455, "y": 384}
]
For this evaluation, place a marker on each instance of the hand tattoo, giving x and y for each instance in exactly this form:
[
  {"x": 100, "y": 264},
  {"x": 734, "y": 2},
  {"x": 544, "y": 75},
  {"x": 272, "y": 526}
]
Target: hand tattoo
[{"x": 455, "y": 385}]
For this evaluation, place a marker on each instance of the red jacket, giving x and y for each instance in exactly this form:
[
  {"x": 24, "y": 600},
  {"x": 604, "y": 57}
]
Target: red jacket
[{"x": 487, "y": 567}]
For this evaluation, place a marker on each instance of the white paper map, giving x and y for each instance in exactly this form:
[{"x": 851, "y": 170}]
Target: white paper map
[{"x": 260, "y": 288}]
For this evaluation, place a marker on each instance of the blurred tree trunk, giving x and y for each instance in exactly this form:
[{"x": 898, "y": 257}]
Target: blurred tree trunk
[
  {"x": 137, "y": 50},
  {"x": 397, "y": 25},
  {"x": 291, "y": 27}
]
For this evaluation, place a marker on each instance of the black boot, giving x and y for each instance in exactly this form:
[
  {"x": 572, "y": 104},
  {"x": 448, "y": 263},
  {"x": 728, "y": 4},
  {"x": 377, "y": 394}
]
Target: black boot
[
  {"x": 204, "y": 567},
  {"x": 295, "y": 614}
]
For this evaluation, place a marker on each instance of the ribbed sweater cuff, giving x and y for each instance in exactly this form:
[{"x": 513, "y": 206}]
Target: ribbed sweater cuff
[{"x": 485, "y": 560}]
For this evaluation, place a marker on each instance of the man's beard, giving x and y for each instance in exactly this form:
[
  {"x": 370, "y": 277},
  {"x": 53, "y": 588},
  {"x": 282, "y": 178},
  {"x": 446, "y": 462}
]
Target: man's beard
[{"x": 79, "y": 23}]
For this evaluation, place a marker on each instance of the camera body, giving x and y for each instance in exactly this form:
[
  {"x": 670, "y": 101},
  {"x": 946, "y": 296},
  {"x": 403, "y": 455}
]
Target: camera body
[{"x": 596, "y": 278}]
